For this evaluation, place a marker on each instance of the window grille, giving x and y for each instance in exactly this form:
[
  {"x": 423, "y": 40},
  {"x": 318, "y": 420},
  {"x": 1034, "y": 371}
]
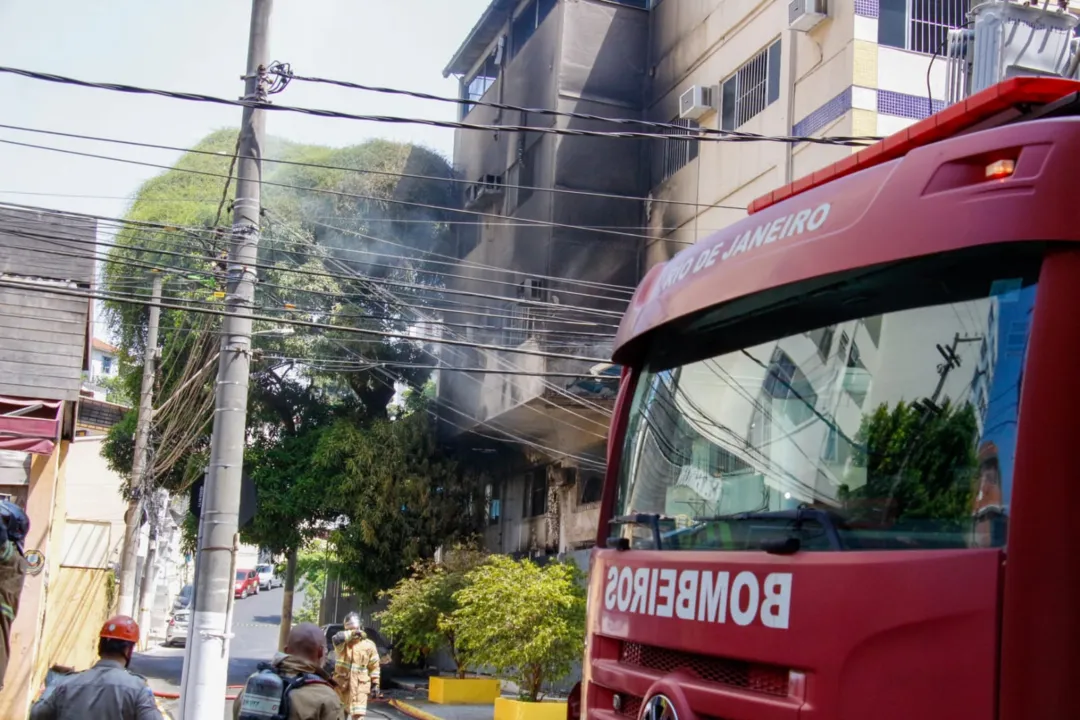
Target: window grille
[
  {"x": 920, "y": 25},
  {"x": 752, "y": 88},
  {"x": 676, "y": 154}
]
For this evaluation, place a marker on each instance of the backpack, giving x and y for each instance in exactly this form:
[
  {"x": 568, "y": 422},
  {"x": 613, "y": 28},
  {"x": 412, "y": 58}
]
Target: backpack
[{"x": 266, "y": 693}]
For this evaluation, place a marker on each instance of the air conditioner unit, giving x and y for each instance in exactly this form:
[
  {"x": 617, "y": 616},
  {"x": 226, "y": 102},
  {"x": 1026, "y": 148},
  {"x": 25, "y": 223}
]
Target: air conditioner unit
[
  {"x": 804, "y": 15},
  {"x": 697, "y": 102}
]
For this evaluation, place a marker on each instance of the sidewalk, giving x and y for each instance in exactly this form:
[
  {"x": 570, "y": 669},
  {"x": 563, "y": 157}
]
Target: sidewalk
[{"x": 410, "y": 698}]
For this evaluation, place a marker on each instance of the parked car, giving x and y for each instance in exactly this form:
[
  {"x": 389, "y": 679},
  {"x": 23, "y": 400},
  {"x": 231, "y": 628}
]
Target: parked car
[
  {"x": 177, "y": 629},
  {"x": 247, "y": 583},
  {"x": 183, "y": 600},
  {"x": 386, "y": 649},
  {"x": 267, "y": 579}
]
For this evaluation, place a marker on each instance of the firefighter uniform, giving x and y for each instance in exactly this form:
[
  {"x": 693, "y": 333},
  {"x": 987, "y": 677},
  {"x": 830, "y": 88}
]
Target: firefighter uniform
[
  {"x": 107, "y": 690},
  {"x": 356, "y": 670},
  {"x": 12, "y": 574}
]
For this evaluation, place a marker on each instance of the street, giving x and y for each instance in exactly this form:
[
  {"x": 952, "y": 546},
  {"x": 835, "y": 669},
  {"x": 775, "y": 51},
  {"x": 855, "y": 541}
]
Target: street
[{"x": 255, "y": 627}]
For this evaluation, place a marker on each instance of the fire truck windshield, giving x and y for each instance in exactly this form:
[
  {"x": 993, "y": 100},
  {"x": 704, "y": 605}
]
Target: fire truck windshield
[{"x": 893, "y": 431}]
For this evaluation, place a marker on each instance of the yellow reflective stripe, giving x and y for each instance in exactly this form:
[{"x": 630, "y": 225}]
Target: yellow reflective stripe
[
  {"x": 6, "y": 553},
  {"x": 6, "y": 611}
]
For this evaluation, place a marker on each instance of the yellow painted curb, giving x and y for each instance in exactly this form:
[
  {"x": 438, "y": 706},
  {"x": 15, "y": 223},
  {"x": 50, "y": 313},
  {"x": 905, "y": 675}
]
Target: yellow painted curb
[
  {"x": 507, "y": 709},
  {"x": 464, "y": 691},
  {"x": 413, "y": 711}
]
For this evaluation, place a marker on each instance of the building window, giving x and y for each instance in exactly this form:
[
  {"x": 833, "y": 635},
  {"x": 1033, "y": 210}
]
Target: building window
[
  {"x": 752, "y": 88},
  {"x": 592, "y": 486},
  {"x": 494, "y": 504},
  {"x": 106, "y": 365},
  {"x": 786, "y": 383},
  {"x": 527, "y": 22},
  {"x": 823, "y": 338},
  {"x": 475, "y": 85},
  {"x": 920, "y": 25},
  {"x": 676, "y": 154},
  {"x": 536, "y": 493}
]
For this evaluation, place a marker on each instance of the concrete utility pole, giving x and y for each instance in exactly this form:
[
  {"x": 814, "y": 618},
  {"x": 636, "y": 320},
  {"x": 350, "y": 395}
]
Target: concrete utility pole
[
  {"x": 158, "y": 511},
  {"x": 130, "y": 553},
  {"x": 210, "y": 628}
]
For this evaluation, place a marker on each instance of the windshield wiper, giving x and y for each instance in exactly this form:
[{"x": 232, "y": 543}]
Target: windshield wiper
[
  {"x": 791, "y": 544},
  {"x": 652, "y": 520}
]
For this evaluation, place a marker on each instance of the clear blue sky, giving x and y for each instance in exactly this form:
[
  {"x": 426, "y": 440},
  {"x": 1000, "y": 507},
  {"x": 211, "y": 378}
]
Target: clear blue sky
[{"x": 201, "y": 45}]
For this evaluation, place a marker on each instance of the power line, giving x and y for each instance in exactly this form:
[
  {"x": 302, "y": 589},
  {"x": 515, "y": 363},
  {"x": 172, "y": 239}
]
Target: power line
[
  {"x": 339, "y": 365},
  {"x": 109, "y": 286},
  {"x": 284, "y": 70},
  {"x": 391, "y": 119},
  {"x": 364, "y": 171},
  {"x": 338, "y": 193},
  {"x": 13, "y": 284},
  {"x": 288, "y": 307},
  {"x": 316, "y": 273}
]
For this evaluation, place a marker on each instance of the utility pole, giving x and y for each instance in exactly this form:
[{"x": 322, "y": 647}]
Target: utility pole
[
  {"x": 130, "y": 554},
  {"x": 211, "y": 617},
  {"x": 157, "y": 509}
]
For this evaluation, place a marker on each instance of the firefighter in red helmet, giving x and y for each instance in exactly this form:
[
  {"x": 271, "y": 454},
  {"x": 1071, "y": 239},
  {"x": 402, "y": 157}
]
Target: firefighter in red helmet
[{"x": 107, "y": 690}]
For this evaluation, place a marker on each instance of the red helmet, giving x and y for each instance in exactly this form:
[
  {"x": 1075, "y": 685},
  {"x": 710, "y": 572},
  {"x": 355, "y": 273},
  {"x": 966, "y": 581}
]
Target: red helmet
[{"x": 121, "y": 627}]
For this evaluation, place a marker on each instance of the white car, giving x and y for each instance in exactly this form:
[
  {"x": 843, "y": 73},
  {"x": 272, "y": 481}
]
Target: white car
[
  {"x": 177, "y": 629},
  {"x": 267, "y": 579}
]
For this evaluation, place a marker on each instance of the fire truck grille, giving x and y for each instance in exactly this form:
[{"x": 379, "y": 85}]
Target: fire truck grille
[
  {"x": 765, "y": 679},
  {"x": 631, "y": 706}
]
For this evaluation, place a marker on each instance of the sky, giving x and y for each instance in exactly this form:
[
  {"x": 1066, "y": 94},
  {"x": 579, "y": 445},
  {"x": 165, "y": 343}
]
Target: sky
[{"x": 201, "y": 46}]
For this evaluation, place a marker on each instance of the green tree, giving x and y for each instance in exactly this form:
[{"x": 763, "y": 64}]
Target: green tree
[
  {"x": 403, "y": 494},
  {"x": 524, "y": 620},
  {"x": 420, "y": 610},
  {"x": 919, "y": 464}
]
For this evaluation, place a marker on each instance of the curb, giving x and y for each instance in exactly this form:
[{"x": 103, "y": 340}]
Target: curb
[
  {"x": 412, "y": 711},
  {"x": 169, "y": 695}
]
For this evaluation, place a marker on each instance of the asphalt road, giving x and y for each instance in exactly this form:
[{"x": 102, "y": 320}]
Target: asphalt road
[{"x": 255, "y": 628}]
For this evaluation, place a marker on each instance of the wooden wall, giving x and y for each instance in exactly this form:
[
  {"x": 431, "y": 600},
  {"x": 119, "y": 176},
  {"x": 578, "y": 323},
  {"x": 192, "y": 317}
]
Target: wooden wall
[{"x": 43, "y": 337}]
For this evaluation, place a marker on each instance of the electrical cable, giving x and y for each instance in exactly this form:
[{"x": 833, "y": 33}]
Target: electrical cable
[
  {"x": 11, "y": 283},
  {"x": 259, "y": 105},
  {"x": 288, "y": 307},
  {"x": 284, "y": 70},
  {"x": 338, "y": 193},
  {"x": 383, "y": 281},
  {"x": 362, "y": 171}
]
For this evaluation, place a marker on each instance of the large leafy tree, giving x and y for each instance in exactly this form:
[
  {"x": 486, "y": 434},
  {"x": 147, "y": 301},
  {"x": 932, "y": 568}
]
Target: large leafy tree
[
  {"x": 524, "y": 620},
  {"x": 321, "y": 441}
]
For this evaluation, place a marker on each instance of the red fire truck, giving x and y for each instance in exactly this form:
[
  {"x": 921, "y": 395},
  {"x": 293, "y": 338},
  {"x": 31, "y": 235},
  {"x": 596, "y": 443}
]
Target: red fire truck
[{"x": 839, "y": 467}]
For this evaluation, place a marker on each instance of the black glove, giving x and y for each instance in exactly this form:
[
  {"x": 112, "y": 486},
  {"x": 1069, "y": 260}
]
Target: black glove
[
  {"x": 338, "y": 638},
  {"x": 376, "y": 692},
  {"x": 14, "y": 524}
]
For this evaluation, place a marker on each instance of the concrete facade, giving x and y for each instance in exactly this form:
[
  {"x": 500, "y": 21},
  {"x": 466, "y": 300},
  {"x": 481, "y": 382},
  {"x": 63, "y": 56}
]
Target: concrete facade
[{"x": 859, "y": 72}]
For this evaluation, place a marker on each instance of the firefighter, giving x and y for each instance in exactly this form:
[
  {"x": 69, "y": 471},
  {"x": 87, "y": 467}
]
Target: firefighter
[
  {"x": 14, "y": 525},
  {"x": 107, "y": 690},
  {"x": 313, "y": 697},
  {"x": 357, "y": 666}
]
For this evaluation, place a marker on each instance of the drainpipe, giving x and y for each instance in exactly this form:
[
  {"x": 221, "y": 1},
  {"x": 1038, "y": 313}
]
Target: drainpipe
[{"x": 789, "y": 159}]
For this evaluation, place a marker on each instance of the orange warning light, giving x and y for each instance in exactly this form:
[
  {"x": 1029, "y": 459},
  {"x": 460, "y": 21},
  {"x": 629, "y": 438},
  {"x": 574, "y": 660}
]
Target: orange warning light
[{"x": 1000, "y": 169}]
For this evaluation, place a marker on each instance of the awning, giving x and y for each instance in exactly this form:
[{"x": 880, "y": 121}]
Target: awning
[{"x": 31, "y": 426}]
